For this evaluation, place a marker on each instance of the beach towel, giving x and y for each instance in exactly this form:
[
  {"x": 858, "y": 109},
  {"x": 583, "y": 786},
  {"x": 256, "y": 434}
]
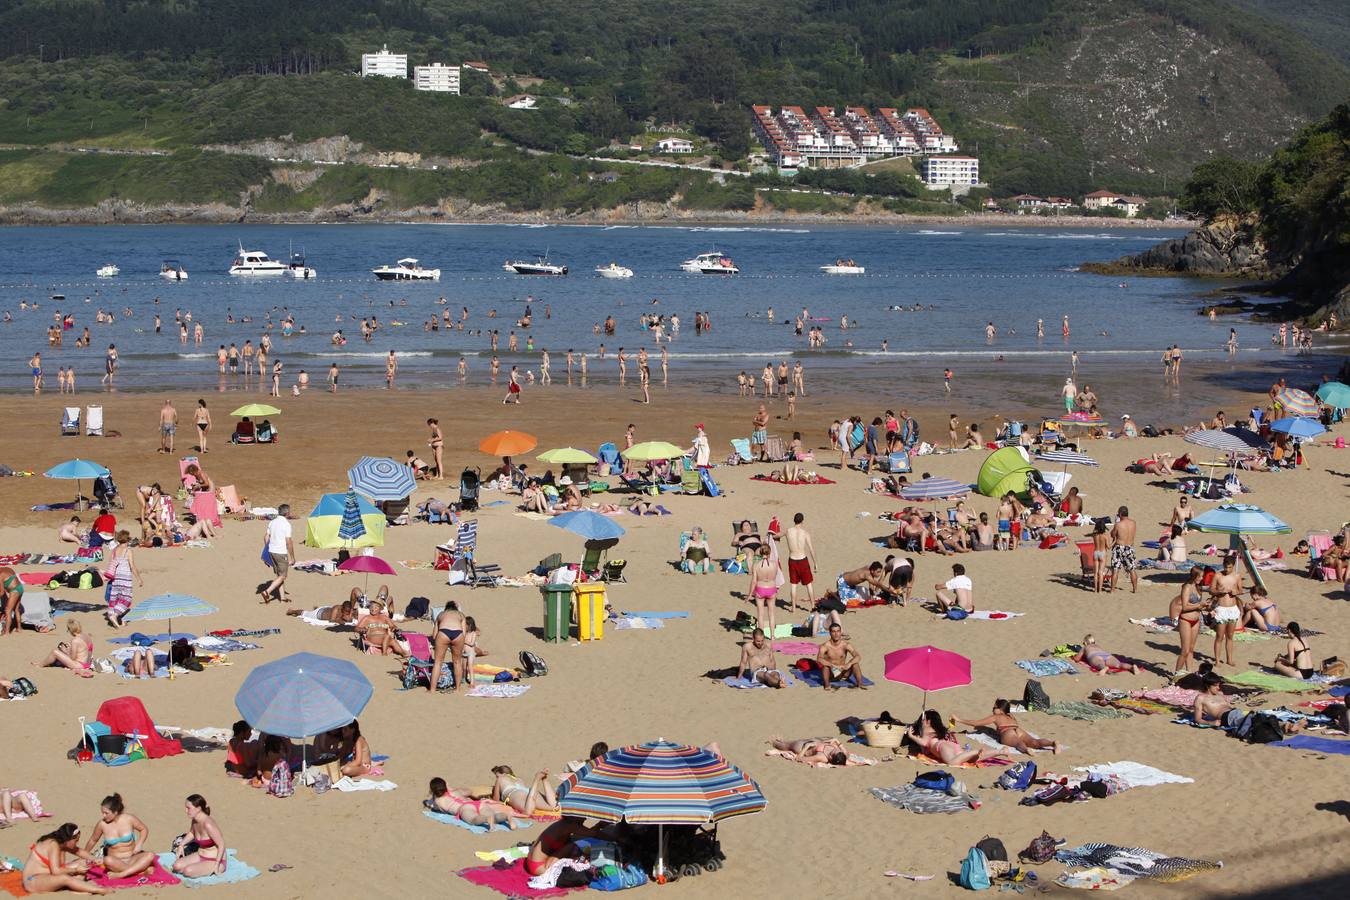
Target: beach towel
[
  {"x": 235, "y": 871},
  {"x": 1272, "y": 682},
  {"x": 1136, "y": 861},
  {"x": 819, "y": 480},
  {"x": 662, "y": 615},
  {"x": 157, "y": 876},
  {"x": 1312, "y": 742},
  {"x": 497, "y": 690},
  {"x": 626, "y": 622},
  {"x": 1084, "y": 711},
  {"x": 922, "y": 800},
  {"x": 12, "y": 882},
  {"x": 140, "y": 637},
  {"x": 854, "y": 759},
  {"x": 1044, "y": 667},
  {"x": 1134, "y": 774},
  {"x": 1094, "y": 879},
  {"x": 447, "y": 819},
  {"x": 993, "y": 614},
  {"x": 812, "y": 678},
  {"x": 654, "y": 511},
  {"x": 795, "y": 648},
  {"x": 1139, "y": 705},
  {"x": 989, "y": 762},
  {"x": 511, "y": 882},
  {"x": 1171, "y": 695},
  {"x": 348, "y": 786},
  {"x": 993, "y": 743},
  {"x": 1156, "y": 624},
  {"x": 127, "y": 715},
  {"x": 510, "y": 854},
  {"x": 748, "y": 683}
]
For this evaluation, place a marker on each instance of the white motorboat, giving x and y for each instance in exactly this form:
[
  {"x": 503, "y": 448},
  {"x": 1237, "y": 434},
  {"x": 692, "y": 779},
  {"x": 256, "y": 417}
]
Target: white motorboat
[
  {"x": 172, "y": 270},
  {"x": 256, "y": 262},
  {"x": 298, "y": 268},
  {"x": 614, "y": 270},
  {"x": 844, "y": 267},
  {"x": 541, "y": 265},
  {"x": 407, "y": 269},
  {"x": 714, "y": 262},
  {"x": 108, "y": 271}
]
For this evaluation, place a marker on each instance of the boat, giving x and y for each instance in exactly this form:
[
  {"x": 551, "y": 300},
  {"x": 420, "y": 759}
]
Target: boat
[
  {"x": 108, "y": 271},
  {"x": 614, "y": 270},
  {"x": 540, "y": 266},
  {"x": 256, "y": 262},
  {"x": 407, "y": 269},
  {"x": 172, "y": 270},
  {"x": 844, "y": 267},
  {"x": 298, "y": 268},
  {"x": 714, "y": 262}
]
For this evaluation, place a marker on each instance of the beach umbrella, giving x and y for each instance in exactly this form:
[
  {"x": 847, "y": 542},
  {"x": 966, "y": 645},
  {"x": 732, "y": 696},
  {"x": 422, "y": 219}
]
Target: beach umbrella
[
  {"x": 1236, "y": 520},
  {"x": 367, "y": 564},
  {"x": 351, "y": 527},
  {"x": 650, "y": 450},
  {"x": 588, "y": 524},
  {"x": 1293, "y": 402},
  {"x": 567, "y": 456},
  {"x": 927, "y": 668},
  {"x": 302, "y": 695},
  {"x": 77, "y": 470},
  {"x": 1227, "y": 440},
  {"x": 381, "y": 478},
  {"x": 1335, "y": 394},
  {"x": 508, "y": 443},
  {"x": 324, "y": 526},
  {"x": 170, "y": 607},
  {"x": 660, "y": 783},
  {"x": 934, "y": 488},
  {"x": 1298, "y": 426},
  {"x": 253, "y": 410},
  {"x": 1067, "y": 457}
]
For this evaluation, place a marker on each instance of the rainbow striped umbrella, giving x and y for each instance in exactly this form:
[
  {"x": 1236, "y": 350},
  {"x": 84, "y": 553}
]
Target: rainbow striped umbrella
[
  {"x": 660, "y": 783},
  {"x": 1293, "y": 402}
]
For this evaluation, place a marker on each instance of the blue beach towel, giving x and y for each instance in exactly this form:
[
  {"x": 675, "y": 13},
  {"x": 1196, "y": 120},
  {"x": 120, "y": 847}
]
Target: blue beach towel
[
  {"x": 1312, "y": 742},
  {"x": 448, "y": 819},
  {"x": 1047, "y": 666},
  {"x": 747, "y": 684},
  {"x": 156, "y": 638},
  {"x": 643, "y": 614},
  {"x": 235, "y": 871},
  {"x": 811, "y": 678}
]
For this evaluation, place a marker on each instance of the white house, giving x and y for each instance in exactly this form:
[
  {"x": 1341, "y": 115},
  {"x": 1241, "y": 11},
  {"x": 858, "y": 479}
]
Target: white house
[
  {"x": 521, "y": 101},
  {"x": 384, "y": 63},
  {"x": 1105, "y": 199},
  {"x": 477, "y": 67},
  {"x": 1028, "y": 201},
  {"x": 674, "y": 145},
  {"x": 436, "y": 77},
  {"x": 945, "y": 171}
]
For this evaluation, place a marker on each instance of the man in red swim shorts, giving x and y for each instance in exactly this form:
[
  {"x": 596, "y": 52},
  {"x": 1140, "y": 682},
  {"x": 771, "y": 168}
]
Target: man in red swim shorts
[{"x": 801, "y": 560}]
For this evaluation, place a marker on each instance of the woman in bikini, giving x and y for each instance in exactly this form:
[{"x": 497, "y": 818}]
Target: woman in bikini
[
  {"x": 123, "y": 838},
  {"x": 929, "y": 735},
  {"x": 209, "y": 856},
  {"x": 378, "y": 631},
  {"x": 1101, "y": 548},
  {"x": 478, "y": 813},
  {"x": 202, "y": 417},
  {"x": 46, "y": 870},
  {"x": 1260, "y": 612},
  {"x": 448, "y": 638},
  {"x": 557, "y": 841},
  {"x": 764, "y": 587},
  {"x": 1187, "y": 610},
  {"x": 1099, "y": 660},
  {"x": 11, "y": 595},
  {"x": 538, "y": 798},
  {"x": 1297, "y": 659},
  {"x": 437, "y": 443},
  {"x": 360, "y": 763},
  {"x": 76, "y": 655},
  {"x": 1010, "y": 734}
]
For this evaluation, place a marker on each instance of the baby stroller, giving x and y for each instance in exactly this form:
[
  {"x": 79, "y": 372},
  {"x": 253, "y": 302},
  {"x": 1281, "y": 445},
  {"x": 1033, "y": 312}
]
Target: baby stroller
[
  {"x": 105, "y": 492},
  {"x": 469, "y": 483}
]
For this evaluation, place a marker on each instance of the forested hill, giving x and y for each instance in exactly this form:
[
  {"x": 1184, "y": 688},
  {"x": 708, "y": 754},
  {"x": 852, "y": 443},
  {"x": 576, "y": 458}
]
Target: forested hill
[{"x": 1056, "y": 96}]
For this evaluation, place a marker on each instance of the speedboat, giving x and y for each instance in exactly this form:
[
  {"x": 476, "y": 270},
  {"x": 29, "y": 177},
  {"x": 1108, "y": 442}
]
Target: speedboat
[
  {"x": 256, "y": 262},
  {"x": 540, "y": 266},
  {"x": 407, "y": 269},
  {"x": 298, "y": 268},
  {"x": 614, "y": 270},
  {"x": 108, "y": 271},
  {"x": 844, "y": 267},
  {"x": 714, "y": 262},
  {"x": 172, "y": 270}
]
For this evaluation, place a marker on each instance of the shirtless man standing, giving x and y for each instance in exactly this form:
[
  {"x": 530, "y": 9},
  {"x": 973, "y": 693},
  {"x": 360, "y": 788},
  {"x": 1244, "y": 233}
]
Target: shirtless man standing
[
  {"x": 1224, "y": 591},
  {"x": 839, "y": 661},
  {"x": 1122, "y": 549},
  {"x": 801, "y": 560},
  {"x": 168, "y": 424},
  {"x": 757, "y": 658},
  {"x": 758, "y": 435}
]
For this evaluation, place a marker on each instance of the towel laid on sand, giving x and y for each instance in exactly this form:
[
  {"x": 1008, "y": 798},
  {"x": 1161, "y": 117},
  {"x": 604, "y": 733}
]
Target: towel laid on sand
[
  {"x": 749, "y": 683},
  {"x": 1312, "y": 742},
  {"x": 819, "y": 480},
  {"x": 989, "y": 762},
  {"x": 511, "y": 882},
  {"x": 1044, "y": 667},
  {"x": 347, "y": 785},
  {"x": 812, "y": 678},
  {"x": 922, "y": 800},
  {"x": 156, "y": 877},
  {"x": 1136, "y": 861},
  {"x": 235, "y": 871},
  {"x": 1135, "y": 774},
  {"x": 1272, "y": 682},
  {"x": 1094, "y": 879},
  {"x": 497, "y": 690},
  {"x": 447, "y": 819},
  {"x": 510, "y": 854},
  {"x": 637, "y": 623},
  {"x": 1084, "y": 711},
  {"x": 644, "y": 614},
  {"x": 993, "y": 743},
  {"x": 795, "y": 648},
  {"x": 996, "y": 615}
]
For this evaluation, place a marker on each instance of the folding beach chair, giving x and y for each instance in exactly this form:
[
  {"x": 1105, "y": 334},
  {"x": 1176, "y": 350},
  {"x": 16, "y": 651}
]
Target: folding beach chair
[
  {"x": 612, "y": 571},
  {"x": 464, "y": 569},
  {"x": 775, "y": 450},
  {"x": 243, "y": 433},
  {"x": 898, "y": 463},
  {"x": 93, "y": 421},
  {"x": 395, "y": 511},
  {"x": 229, "y": 495},
  {"x": 1319, "y": 542},
  {"x": 70, "y": 420},
  {"x": 740, "y": 450}
]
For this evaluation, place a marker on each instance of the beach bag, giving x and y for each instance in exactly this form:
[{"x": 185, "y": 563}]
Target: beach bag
[
  {"x": 534, "y": 666},
  {"x": 418, "y": 608},
  {"x": 1034, "y": 696},
  {"x": 1018, "y": 777},
  {"x": 280, "y": 783},
  {"x": 1040, "y": 850},
  {"x": 180, "y": 651},
  {"x": 1263, "y": 729},
  {"x": 992, "y": 848},
  {"x": 956, "y": 613},
  {"x": 614, "y": 878},
  {"x": 22, "y": 687},
  {"x": 1333, "y": 667},
  {"x": 1047, "y": 796},
  {"x": 935, "y": 781},
  {"x": 974, "y": 871},
  {"x": 266, "y": 556}
]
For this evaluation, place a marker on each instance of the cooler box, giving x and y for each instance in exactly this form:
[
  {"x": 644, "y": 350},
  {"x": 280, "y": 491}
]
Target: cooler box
[
  {"x": 590, "y": 610},
  {"x": 557, "y": 611}
]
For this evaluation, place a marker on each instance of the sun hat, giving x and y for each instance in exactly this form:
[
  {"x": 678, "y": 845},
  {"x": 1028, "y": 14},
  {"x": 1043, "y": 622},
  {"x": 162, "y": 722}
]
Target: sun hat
[{"x": 566, "y": 479}]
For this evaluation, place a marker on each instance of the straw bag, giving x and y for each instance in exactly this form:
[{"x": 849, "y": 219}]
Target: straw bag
[{"x": 878, "y": 734}]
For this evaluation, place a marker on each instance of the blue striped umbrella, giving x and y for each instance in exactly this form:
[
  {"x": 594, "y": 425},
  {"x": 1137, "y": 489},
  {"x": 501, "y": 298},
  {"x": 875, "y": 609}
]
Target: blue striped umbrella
[
  {"x": 1227, "y": 440},
  {"x": 1298, "y": 426},
  {"x": 168, "y": 606},
  {"x": 1293, "y": 402},
  {"x": 302, "y": 695},
  {"x": 934, "y": 488},
  {"x": 381, "y": 478},
  {"x": 352, "y": 527},
  {"x": 1238, "y": 519},
  {"x": 1335, "y": 394},
  {"x": 660, "y": 783}
]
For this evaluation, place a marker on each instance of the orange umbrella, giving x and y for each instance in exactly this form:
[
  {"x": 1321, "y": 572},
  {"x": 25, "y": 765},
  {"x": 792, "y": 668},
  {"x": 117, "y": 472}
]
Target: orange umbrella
[{"x": 508, "y": 443}]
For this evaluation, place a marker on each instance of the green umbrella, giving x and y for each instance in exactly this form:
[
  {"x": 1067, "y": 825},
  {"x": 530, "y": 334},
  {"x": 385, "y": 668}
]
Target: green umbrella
[
  {"x": 567, "y": 456},
  {"x": 1335, "y": 394},
  {"x": 649, "y": 450},
  {"x": 256, "y": 409}
]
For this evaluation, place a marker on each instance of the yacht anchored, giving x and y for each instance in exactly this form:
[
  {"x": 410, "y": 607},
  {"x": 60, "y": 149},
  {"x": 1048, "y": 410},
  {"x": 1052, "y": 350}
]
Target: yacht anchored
[
  {"x": 714, "y": 262},
  {"x": 108, "y": 271},
  {"x": 614, "y": 270},
  {"x": 298, "y": 268},
  {"x": 407, "y": 269},
  {"x": 540, "y": 266},
  {"x": 844, "y": 267},
  {"x": 256, "y": 262},
  {"x": 172, "y": 270}
]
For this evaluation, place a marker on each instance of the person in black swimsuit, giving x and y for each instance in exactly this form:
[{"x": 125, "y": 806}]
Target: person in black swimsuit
[
  {"x": 1296, "y": 661},
  {"x": 447, "y": 638}
]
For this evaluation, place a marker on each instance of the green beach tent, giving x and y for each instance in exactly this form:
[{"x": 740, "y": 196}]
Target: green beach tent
[{"x": 1005, "y": 470}]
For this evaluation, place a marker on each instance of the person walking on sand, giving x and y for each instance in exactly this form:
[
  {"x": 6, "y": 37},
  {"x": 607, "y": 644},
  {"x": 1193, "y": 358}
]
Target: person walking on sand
[
  {"x": 110, "y": 363},
  {"x": 645, "y": 375},
  {"x": 168, "y": 424},
  {"x": 1122, "y": 549},
  {"x": 276, "y": 378},
  {"x": 36, "y": 365},
  {"x": 801, "y": 561},
  {"x": 281, "y": 549},
  {"x": 390, "y": 369},
  {"x": 1224, "y": 592},
  {"x": 798, "y": 379},
  {"x": 202, "y": 417},
  {"x": 512, "y": 388}
]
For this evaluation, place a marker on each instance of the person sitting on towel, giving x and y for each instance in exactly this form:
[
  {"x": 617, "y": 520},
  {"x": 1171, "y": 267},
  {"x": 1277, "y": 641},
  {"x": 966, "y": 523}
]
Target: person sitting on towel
[
  {"x": 839, "y": 660},
  {"x": 757, "y": 658}
]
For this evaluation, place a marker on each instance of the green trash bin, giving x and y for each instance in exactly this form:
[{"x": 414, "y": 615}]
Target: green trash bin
[{"x": 557, "y": 612}]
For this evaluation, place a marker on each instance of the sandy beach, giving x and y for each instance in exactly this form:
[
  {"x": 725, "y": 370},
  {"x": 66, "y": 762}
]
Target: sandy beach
[{"x": 1275, "y": 816}]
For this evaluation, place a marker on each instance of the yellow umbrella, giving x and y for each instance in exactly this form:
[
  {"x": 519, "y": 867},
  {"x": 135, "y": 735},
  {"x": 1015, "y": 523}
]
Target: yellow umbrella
[
  {"x": 567, "y": 456},
  {"x": 649, "y": 450},
  {"x": 256, "y": 409}
]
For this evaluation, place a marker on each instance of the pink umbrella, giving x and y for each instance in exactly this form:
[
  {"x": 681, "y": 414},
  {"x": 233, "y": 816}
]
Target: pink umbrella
[
  {"x": 928, "y": 669},
  {"x": 367, "y": 564}
]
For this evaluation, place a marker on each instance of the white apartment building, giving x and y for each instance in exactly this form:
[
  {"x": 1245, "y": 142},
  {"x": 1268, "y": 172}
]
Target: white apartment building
[
  {"x": 945, "y": 171},
  {"x": 384, "y": 63},
  {"x": 436, "y": 77}
]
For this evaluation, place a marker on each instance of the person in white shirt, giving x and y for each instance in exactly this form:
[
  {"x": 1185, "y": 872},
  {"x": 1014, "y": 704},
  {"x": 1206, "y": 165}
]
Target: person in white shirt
[
  {"x": 700, "y": 449},
  {"x": 281, "y": 548},
  {"x": 957, "y": 591}
]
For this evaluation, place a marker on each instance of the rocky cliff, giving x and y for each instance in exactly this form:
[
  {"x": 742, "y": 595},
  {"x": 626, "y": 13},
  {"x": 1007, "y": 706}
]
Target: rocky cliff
[{"x": 1230, "y": 247}]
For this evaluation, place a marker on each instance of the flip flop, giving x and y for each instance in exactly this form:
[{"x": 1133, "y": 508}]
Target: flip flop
[{"x": 279, "y": 867}]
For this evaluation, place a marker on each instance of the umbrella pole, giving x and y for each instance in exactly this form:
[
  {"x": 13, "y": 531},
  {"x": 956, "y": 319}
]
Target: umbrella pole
[
  {"x": 1235, "y": 543},
  {"x": 660, "y": 851},
  {"x": 152, "y": 650}
]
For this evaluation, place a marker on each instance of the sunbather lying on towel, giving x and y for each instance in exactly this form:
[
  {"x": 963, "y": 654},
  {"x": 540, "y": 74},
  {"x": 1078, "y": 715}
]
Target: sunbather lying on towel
[
  {"x": 1010, "y": 734},
  {"x": 479, "y": 813},
  {"x": 538, "y": 798},
  {"x": 340, "y": 614},
  {"x": 818, "y": 751},
  {"x": 1100, "y": 661},
  {"x": 929, "y": 735}
]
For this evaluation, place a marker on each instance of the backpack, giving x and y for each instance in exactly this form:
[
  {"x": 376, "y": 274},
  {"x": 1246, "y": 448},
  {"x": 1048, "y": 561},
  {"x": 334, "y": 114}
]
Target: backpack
[
  {"x": 1047, "y": 796},
  {"x": 280, "y": 784},
  {"x": 1041, "y": 849},
  {"x": 974, "y": 871},
  {"x": 1263, "y": 729},
  {"x": 534, "y": 666},
  {"x": 22, "y": 687},
  {"x": 956, "y": 613},
  {"x": 1034, "y": 696},
  {"x": 418, "y": 608},
  {"x": 935, "y": 781},
  {"x": 1018, "y": 777},
  {"x": 992, "y": 848}
]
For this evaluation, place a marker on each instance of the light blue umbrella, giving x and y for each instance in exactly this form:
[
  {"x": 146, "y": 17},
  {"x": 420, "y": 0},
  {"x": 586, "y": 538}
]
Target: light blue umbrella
[
  {"x": 1238, "y": 519},
  {"x": 352, "y": 527},
  {"x": 1335, "y": 394},
  {"x": 302, "y": 695},
  {"x": 934, "y": 488},
  {"x": 77, "y": 470},
  {"x": 1298, "y": 426},
  {"x": 590, "y": 525},
  {"x": 381, "y": 478},
  {"x": 170, "y": 607}
]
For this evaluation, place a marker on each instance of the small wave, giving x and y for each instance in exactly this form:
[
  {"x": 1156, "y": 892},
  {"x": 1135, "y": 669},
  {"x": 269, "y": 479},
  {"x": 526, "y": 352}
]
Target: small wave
[{"x": 931, "y": 231}]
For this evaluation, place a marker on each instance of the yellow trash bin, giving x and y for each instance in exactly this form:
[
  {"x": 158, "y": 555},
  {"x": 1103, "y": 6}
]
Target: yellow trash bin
[{"x": 590, "y": 597}]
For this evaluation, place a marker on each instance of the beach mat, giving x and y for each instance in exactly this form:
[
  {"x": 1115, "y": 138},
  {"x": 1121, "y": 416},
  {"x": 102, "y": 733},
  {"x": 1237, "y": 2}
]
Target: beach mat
[
  {"x": 812, "y": 678},
  {"x": 1272, "y": 682},
  {"x": 1046, "y": 666},
  {"x": 1313, "y": 742},
  {"x": 447, "y": 819},
  {"x": 820, "y": 480},
  {"x": 510, "y": 882},
  {"x": 158, "y": 876},
  {"x": 748, "y": 684},
  {"x": 921, "y": 800},
  {"x": 235, "y": 871}
]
